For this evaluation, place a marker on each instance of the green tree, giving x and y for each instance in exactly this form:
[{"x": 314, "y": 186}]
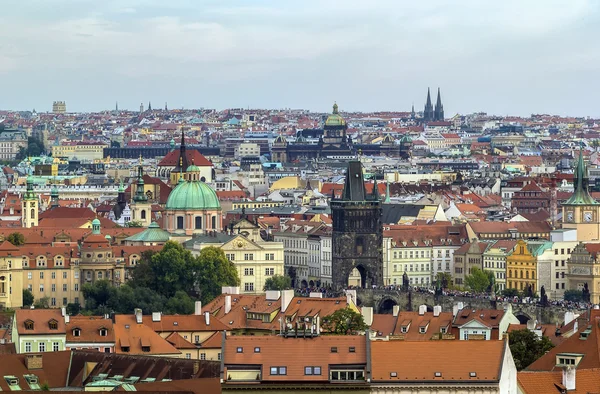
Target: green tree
[
  {"x": 42, "y": 303},
  {"x": 142, "y": 275},
  {"x": 573, "y": 295},
  {"x": 181, "y": 304},
  {"x": 135, "y": 224},
  {"x": 73, "y": 309},
  {"x": 27, "y": 297},
  {"x": 478, "y": 281},
  {"x": 98, "y": 294},
  {"x": 445, "y": 279},
  {"x": 213, "y": 271},
  {"x": 278, "y": 282},
  {"x": 16, "y": 239},
  {"x": 174, "y": 269},
  {"x": 526, "y": 347},
  {"x": 511, "y": 293},
  {"x": 344, "y": 321}
]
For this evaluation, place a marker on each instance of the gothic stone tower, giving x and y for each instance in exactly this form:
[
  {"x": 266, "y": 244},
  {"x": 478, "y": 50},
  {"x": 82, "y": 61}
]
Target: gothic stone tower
[{"x": 357, "y": 232}]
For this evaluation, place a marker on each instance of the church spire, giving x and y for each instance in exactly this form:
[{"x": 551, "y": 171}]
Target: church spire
[
  {"x": 581, "y": 195},
  {"x": 375, "y": 192},
  {"x": 182, "y": 153},
  {"x": 140, "y": 196},
  {"x": 149, "y": 106},
  {"x": 428, "y": 114},
  {"x": 439, "y": 108},
  {"x": 387, "y": 191}
]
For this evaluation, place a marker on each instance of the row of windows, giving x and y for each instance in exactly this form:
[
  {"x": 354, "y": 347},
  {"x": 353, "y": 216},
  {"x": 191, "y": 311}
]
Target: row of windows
[
  {"x": 519, "y": 274},
  {"x": 409, "y": 267},
  {"x": 197, "y": 222},
  {"x": 42, "y": 347},
  {"x": 52, "y": 275}
]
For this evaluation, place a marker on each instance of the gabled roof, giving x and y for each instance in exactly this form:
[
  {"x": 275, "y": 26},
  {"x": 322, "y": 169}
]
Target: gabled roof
[
  {"x": 589, "y": 347},
  {"x": 192, "y": 155},
  {"x": 179, "y": 342},
  {"x": 547, "y": 382},
  {"x": 41, "y": 319},
  {"x": 174, "y": 323},
  {"x": 89, "y": 327},
  {"x": 454, "y": 359},
  {"x": 135, "y": 336},
  {"x": 295, "y": 354}
]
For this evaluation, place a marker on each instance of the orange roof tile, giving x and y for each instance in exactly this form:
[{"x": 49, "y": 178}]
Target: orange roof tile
[
  {"x": 295, "y": 354},
  {"x": 41, "y": 319},
  {"x": 132, "y": 335},
  {"x": 90, "y": 327},
  {"x": 454, "y": 359}
]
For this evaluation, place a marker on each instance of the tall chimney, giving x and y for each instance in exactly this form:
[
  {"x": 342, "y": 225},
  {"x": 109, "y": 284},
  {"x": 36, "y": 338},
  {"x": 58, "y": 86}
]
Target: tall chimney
[
  {"x": 367, "y": 313},
  {"x": 395, "y": 310},
  {"x": 227, "y": 304},
  {"x": 138, "y": 315},
  {"x": 198, "y": 308},
  {"x": 569, "y": 377},
  {"x": 207, "y": 318},
  {"x": 437, "y": 309},
  {"x": 286, "y": 298},
  {"x": 422, "y": 310}
]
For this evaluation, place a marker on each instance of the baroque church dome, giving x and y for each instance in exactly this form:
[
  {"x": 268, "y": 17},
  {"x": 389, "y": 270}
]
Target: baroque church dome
[
  {"x": 335, "y": 119},
  {"x": 192, "y": 193}
]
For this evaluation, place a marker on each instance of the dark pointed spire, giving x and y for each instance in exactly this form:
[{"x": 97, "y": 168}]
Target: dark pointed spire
[
  {"x": 428, "y": 114},
  {"x": 182, "y": 153},
  {"x": 117, "y": 106},
  {"x": 149, "y": 106},
  {"x": 166, "y": 109},
  {"x": 439, "y": 108},
  {"x": 354, "y": 187},
  {"x": 375, "y": 192}
]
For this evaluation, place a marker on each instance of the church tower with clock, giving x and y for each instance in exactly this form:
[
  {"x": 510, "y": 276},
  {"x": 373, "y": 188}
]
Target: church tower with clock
[{"x": 581, "y": 211}]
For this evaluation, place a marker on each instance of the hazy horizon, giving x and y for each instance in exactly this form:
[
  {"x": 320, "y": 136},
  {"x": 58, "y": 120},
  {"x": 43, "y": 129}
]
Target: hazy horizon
[{"x": 502, "y": 58}]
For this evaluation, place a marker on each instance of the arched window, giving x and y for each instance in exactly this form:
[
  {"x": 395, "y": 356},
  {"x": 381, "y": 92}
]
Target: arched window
[
  {"x": 521, "y": 274},
  {"x": 527, "y": 274},
  {"x": 143, "y": 214},
  {"x": 179, "y": 222},
  {"x": 203, "y": 179},
  {"x": 198, "y": 223},
  {"x": 99, "y": 274},
  {"x": 510, "y": 273},
  {"x": 359, "y": 246},
  {"x": 214, "y": 222},
  {"x": 533, "y": 274},
  {"x": 32, "y": 213}
]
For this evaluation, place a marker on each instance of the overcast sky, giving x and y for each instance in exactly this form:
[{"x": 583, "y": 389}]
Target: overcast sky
[{"x": 503, "y": 57}]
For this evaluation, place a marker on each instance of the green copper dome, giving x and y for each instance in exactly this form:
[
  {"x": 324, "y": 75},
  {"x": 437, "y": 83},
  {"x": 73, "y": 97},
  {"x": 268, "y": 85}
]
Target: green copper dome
[
  {"x": 193, "y": 168},
  {"x": 193, "y": 195},
  {"x": 335, "y": 119}
]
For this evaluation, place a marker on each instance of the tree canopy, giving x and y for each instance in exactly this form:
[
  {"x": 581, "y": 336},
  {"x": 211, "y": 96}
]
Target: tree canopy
[
  {"x": 573, "y": 295},
  {"x": 478, "y": 281},
  {"x": 526, "y": 347},
  {"x": 344, "y": 321},
  {"x": 16, "y": 239},
  {"x": 278, "y": 282},
  {"x": 27, "y": 297},
  {"x": 168, "y": 281}
]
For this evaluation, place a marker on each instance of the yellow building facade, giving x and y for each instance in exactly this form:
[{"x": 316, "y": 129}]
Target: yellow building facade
[
  {"x": 521, "y": 268},
  {"x": 80, "y": 151}
]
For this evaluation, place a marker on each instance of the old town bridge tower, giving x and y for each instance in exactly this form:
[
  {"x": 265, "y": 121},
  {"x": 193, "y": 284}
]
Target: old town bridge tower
[{"x": 357, "y": 238}]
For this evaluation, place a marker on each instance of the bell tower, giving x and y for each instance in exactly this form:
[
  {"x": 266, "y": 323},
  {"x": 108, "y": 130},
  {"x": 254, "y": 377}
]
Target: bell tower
[
  {"x": 357, "y": 237},
  {"x": 581, "y": 211},
  {"x": 141, "y": 209},
  {"x": 29, "y": 206}
]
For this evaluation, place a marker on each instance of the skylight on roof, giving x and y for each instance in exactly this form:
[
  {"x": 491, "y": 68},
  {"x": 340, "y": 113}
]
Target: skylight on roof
[{"x": 473, "y": 374}]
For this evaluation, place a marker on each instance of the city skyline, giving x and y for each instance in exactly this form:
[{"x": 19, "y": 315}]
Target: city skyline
[{"x": 503, "y": 59}]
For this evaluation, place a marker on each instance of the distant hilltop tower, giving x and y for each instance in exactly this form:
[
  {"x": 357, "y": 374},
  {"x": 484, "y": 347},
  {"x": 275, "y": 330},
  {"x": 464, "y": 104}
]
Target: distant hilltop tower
[
  {"x": 59, "y": 107},
  {"x": 141, "y": 107}
]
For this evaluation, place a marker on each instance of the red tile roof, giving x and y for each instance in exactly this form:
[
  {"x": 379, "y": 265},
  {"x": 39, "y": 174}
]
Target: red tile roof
[{"x": 454, "y": 359}]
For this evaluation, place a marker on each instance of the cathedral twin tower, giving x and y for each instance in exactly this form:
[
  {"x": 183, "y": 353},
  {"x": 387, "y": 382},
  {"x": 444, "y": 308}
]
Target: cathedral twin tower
[{"x": 429, "y": 113}]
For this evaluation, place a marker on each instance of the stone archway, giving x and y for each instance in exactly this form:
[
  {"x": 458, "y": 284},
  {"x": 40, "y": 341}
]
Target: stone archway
[
  {"x": 522, "y": 316},
  {"x": 386, "y": 306}
]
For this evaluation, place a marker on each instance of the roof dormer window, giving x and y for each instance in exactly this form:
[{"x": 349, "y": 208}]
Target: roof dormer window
[
  {"x": 29, "y": 324},
  {"x": 103, "y": 332},
  {"x": 76, "y": 332},
  {"x": 53, "y": 324}
]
